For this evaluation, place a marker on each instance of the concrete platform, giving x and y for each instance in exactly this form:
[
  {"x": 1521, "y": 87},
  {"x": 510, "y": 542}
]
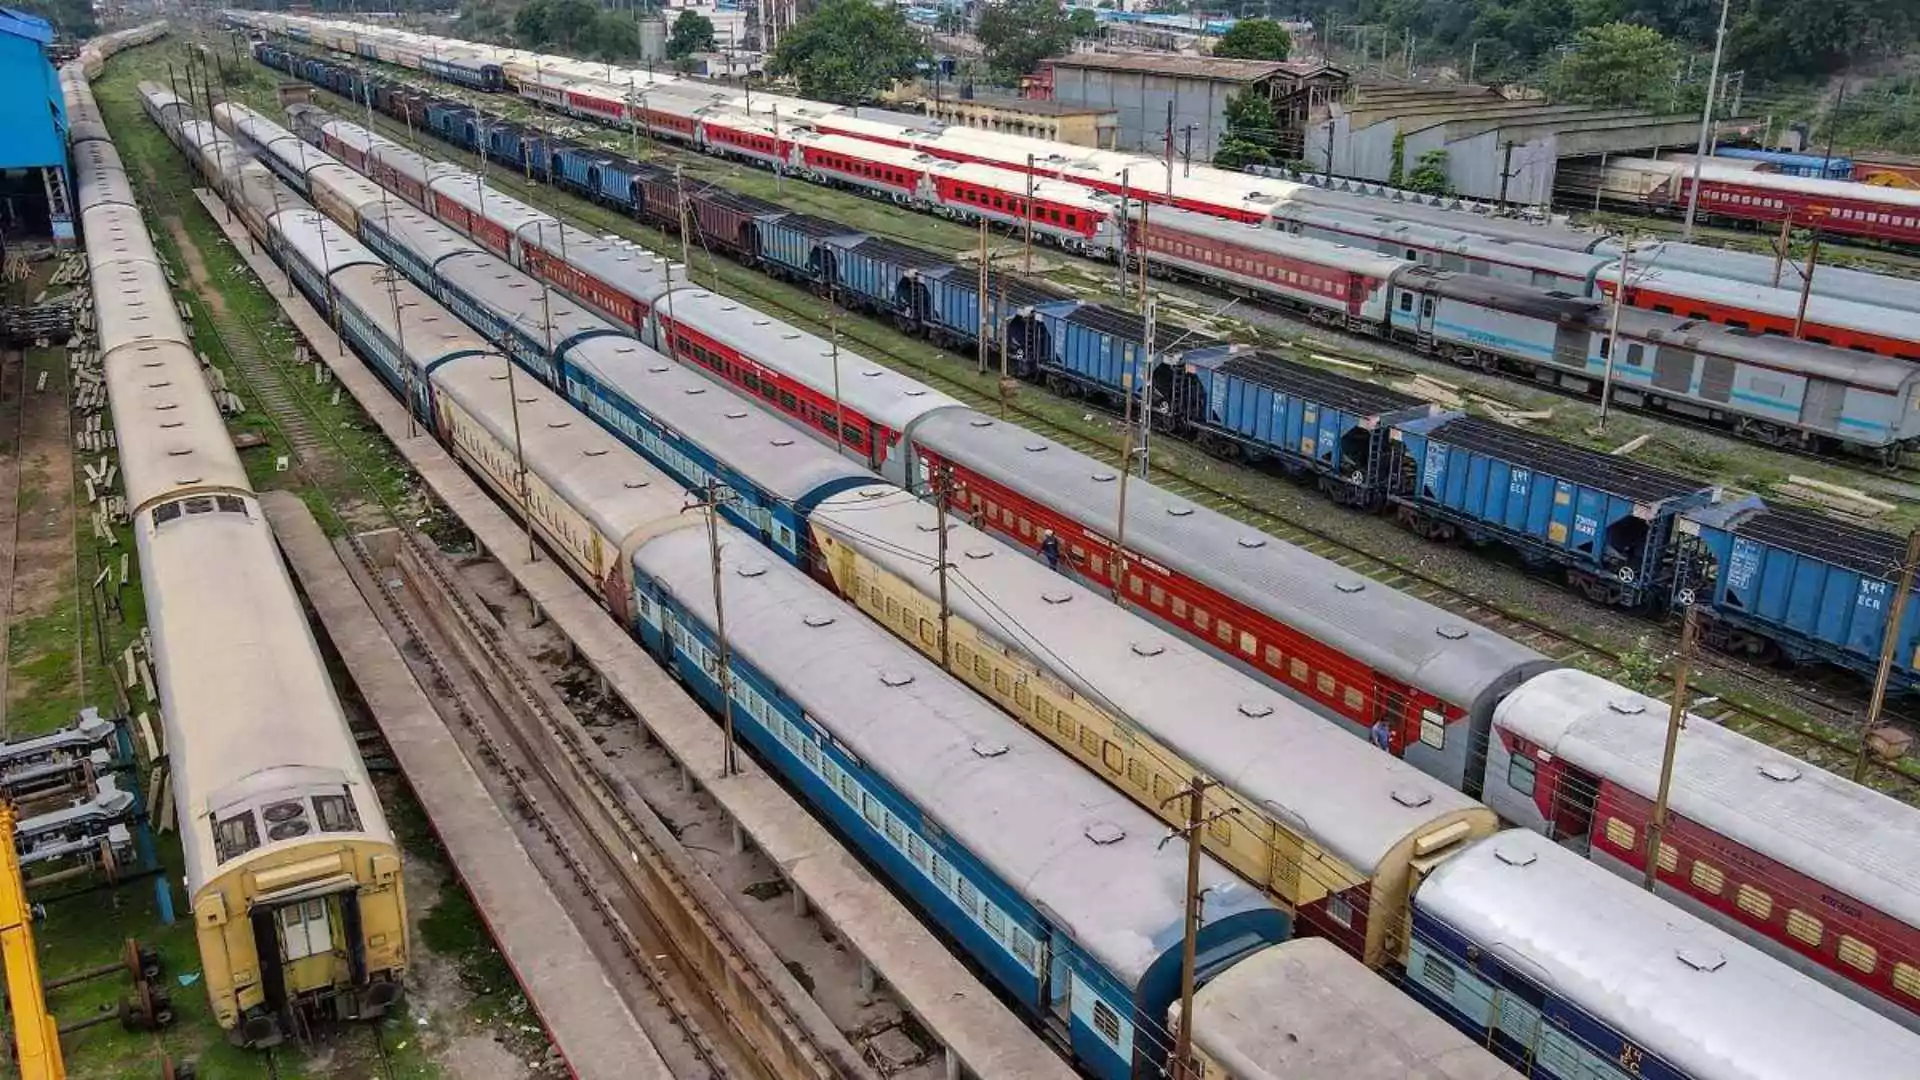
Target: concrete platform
[
  {"x": 565, "y": 983},
  {"x": 980, "y": 1035}
]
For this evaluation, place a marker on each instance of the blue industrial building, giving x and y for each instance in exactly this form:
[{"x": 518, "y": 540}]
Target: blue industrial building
[{"x": 34, "y": 198}]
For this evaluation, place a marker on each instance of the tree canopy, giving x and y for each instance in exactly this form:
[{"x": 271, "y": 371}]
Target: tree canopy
[
  {"x": 1618, "y": 64},
  {"x": 692, "y": 32},
  {"x": 1255, "y": 39},
  {"x": 1253, "y": 130},
  {"x": 1769, "y": 39},
  {"x": 848, "y": 51},
  {"x": 1017, "y": 34},
  {"x": 1084, "y": 23}
]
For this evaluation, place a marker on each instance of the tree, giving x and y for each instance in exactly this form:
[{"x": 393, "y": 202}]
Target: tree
[
  {"x": 1084, "y": 23},
  {"x": 1253, "y": 131},
  {"x": 692, "y": 32},
  {"x": 530, "y": 24},
  {"x": 1429, "y": 175},
  {"x": 1017, "y": 34},
  {"x": 847, "y": 51},
  {"x": 616, "y": 36},
  {"x": 1255, "y": 39},
  {"x": 570, "y": 23},
  {"x": 1618, "y": 64}
]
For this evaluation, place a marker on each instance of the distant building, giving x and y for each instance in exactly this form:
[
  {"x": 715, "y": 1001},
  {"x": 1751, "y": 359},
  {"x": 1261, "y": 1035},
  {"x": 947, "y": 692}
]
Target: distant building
[
  {"x": 1081, "y": 125},
  {"x": 1139, "y": 87},
  {"x": 35, "y": 198}
]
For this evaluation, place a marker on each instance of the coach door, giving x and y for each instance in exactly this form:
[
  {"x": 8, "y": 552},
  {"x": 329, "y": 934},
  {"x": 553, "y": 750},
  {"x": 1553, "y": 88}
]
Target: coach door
[
  {"x": 1057, "y": 988},
  {"x": 1825, "y": 400}
]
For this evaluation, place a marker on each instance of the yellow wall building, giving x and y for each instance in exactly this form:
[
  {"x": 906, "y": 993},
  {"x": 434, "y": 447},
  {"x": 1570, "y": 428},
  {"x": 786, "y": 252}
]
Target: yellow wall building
[{"x": 1080, "y": 125}]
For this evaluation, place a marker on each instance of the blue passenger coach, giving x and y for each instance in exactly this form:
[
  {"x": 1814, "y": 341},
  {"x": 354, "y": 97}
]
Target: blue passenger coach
[
  {"x": 1056, "y": 885},
  {"x": 1570, "y": 973}
]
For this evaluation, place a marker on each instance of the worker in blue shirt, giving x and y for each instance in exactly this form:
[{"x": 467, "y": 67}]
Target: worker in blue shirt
[{"x": 1050, "y": 550}]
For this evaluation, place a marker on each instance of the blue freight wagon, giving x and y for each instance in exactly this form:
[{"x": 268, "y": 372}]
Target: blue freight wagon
[
  {"x": 794, "y": 247},
  {"x": 878, "y": 276},
  {"x": 1797, "y": 584},
  {"x": 1259, "y": 407},
  {"x": 1091, "y": 349},
  {"x": 1607, "y": 521},
  {"x": 945, "y": 304}
]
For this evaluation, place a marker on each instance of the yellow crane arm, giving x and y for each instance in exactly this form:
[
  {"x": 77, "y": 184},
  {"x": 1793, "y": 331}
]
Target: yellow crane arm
[{"x": 36, "y": 1036}]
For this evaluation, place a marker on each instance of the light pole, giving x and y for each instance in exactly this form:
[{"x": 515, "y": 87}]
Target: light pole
[{"x": 1706, "y": 122}]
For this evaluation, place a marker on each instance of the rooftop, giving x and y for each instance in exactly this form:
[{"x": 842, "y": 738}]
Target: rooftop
[
  {"x": 1197, "y": 67},
  {"x": 1029, "y": 106},
  {"x": 26, "y": 25}
]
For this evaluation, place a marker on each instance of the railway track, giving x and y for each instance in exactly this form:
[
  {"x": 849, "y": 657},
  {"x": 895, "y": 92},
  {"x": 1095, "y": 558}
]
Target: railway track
[
  {"x": 808, "y": 197},
  {"x": 1732, "y": 692},
  {"x": 698, "y": 968}
]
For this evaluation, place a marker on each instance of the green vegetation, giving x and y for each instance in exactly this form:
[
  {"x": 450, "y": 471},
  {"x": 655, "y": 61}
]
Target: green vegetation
[
  {"x": 1255, "y": 39},
  {"x": 575, "y": 27},
  {"x": 1084, "y": 23},
  {"x": 1770, "y": 39},
  {"x": 848, "y": 51},
  {"x": 692, "y": 33},
  {"x": 1618, "y": 64},
  {"x": 1253, "y": 130},
  {"x": 1018, "y": 34},
  {"x": 1429, "y": 175}
]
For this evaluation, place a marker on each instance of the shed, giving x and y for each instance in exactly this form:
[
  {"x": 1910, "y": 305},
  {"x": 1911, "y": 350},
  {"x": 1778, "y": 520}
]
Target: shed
[
  {"x": 1140, "y": 86},
  {"x": 34, "y": 193}
]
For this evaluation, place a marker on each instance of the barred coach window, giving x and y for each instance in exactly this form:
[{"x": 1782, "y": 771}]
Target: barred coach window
[
  {"x": 235, "y": 836},
  {"x": 336, "y": 813}
]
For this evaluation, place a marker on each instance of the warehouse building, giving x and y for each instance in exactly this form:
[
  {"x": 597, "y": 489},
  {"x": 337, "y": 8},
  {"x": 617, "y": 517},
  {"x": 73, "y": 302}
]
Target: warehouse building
[
  {"x": 34, "y": 201},
  {"x": 1497, "y": 148},
  {"x": 1139, "y": 87}
]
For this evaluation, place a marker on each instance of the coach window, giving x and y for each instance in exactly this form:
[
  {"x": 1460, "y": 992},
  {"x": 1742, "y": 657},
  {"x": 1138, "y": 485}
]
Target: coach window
[
  {"x": 1708, "y": 878},
  {"x": 1753, "y": 902},
  {"x": 1636, "y": 354},
  {"x": 1522, "y": 773},
  {"x": 1406, "y": 304},
  {"x": 235, "y": 836},
  {"x": 1803, "y": 927},
  {"x": 1858, "y": 954},
  {"x": 335, "y": 813}
]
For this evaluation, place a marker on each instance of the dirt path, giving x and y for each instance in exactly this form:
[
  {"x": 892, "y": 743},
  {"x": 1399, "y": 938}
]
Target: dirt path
[{"x": 43, "y": 613}]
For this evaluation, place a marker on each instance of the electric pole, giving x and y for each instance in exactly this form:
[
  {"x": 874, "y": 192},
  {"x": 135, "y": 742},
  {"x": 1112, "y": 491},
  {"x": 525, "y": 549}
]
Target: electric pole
[
  {"x": 983, "y": 295},
  {"x": 942, "y": 491},
  {"x": 709, "y": 502},
  {"x": 1197, "y": 820},
  {"x": 1676, "y": 720},
  {"x": 1889, "y": 650},
  {"x": 1706, "y": 123}
]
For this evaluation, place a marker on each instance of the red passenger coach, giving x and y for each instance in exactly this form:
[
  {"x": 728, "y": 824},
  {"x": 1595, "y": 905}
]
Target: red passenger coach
[
  {"x": 597, "y": 105},
  {"x": 1760, "y": 309},
  {"x": 1818, "y": 871},
  {"x": 1416, "y": 680},
  {"x": 801, "y": 376},
  {"x": 1842, "y": 207}
]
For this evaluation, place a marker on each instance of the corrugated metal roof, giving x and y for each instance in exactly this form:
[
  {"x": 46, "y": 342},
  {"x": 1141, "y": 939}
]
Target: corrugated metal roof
[{"x": 1194, "y": 67}]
